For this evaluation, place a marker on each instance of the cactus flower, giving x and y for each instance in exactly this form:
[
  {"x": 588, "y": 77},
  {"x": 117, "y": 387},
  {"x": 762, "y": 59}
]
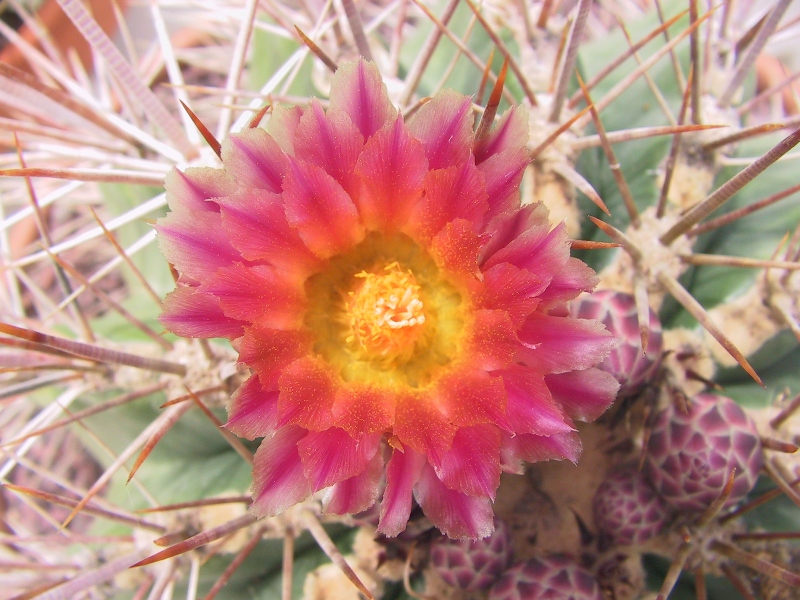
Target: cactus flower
[
  {"x": 403, "y": 316},
  {"x": 629, "y": 365}
]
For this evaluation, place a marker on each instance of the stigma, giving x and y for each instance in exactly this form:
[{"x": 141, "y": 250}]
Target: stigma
[{"x": 385, "y": 314}]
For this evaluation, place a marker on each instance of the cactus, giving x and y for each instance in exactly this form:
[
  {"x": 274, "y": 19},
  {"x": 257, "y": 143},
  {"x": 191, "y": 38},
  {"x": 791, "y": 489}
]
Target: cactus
[
  {"x": 691, "y": 457},
  {"x": 627, "y": 510},
  {"x": 552, "y": 577},
  {"x": 473, "y": 564},
  {"x": 669, "y": 174}
]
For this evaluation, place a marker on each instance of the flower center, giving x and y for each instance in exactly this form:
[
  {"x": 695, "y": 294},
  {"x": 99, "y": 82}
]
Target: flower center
[{"x": 385, "y": 314}]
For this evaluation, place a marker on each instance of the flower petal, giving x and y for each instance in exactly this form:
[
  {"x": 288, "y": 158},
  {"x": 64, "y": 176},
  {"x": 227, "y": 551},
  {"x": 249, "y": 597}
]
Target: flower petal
[
  {"x": 540, "y": 250},
  {"x": 258, "y": 294},
  {"x": 194, "y": 189},
  {"x": 195, "y": 243},
  {"x": 402, "y": 473},
  {"x": 568, "y": 282},
  {"x": 456, "y": 249},
  {"x": 253, "y": 410},
  {"x": 278, "y": 478},
  {"x": 457, "y": 515},
  {"x": 361, "y": 408},
  {"x": 472, "y": 465},
  {"x": 492, "y": 341},
  {"x": 357, "y": 493},
  {"x": 307, "y": 393},
  {"x": 503, "y": 174},
  {"x": 444, "y": 126},
  {"x": 391, "y": 169},
  {"x": 535, "y": 448},
  {"x": 509, "y": 225},
  {"x": 470, "y": 396},
  {"x": 188, "y": 312},
  {"x": 330, "y": 141},
  {"x": 421, "y": 423},
  {"x": 267, "y": 351},
  {"x": 584, "y": 395},
  {"x": 357, "y": 88},
  {"x": 454, "y": 193},
  {"x": 332, "y": 456},
  {"x": 511, "y": 132},
  {"x": 255, "y": 222},
  {"x": 531, "y": 408},
  {"x": 559, "y": 344},
  {"x": 324, "y": 215},
  {"x": 282, "y": 124},
  {"x": 254, "y": 160},
  {"x": 511, "y": 289}
]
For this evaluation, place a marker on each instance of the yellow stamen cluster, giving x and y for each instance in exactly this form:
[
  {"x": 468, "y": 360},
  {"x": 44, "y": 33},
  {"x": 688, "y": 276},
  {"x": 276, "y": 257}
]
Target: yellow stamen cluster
[{"x": 385, "y": 314}]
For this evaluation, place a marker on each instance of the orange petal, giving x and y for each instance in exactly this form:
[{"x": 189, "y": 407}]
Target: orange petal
[
  {"x": 324, "y": 215},
  {"x": 307, "y": 391},
  {"x": 421, "y": 423},
  {"x": 362, "y": 408},
  {"x": 455, "y": 193},
  {"x": 493, "y": 341},
  {"x": 470, "y": 396},
  {"x": 391, "y": 169},
  {"x": 455, "y": 249},
  {"x": 267, "y": 351}
]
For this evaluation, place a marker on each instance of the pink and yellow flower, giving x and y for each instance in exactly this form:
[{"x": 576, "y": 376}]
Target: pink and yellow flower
[{"x": 404, "y": 318}]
